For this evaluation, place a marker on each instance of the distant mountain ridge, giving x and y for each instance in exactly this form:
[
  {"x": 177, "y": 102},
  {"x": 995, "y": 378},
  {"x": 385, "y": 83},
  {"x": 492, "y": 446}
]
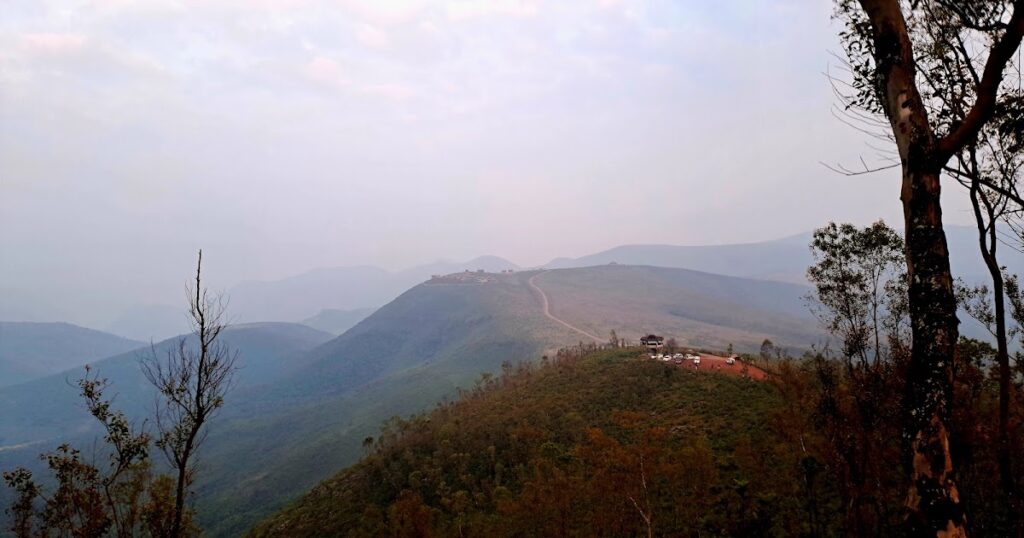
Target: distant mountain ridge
[
  {"x": 41, "y": 414},
  {"x": 48, "y": 407},
  {"x": 783, "y": 260},
  {"x": 31, "y": 350}
]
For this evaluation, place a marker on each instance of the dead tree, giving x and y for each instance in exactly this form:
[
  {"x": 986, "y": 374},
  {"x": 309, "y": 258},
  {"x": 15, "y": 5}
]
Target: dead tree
[{"x": 191, "y": 382}]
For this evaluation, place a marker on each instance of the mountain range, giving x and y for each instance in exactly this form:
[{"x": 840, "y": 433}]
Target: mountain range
[
  {"x": 316, "y": 295},
  {"x": 307, "y": 398},
  {"x": 305, "y": 401}
]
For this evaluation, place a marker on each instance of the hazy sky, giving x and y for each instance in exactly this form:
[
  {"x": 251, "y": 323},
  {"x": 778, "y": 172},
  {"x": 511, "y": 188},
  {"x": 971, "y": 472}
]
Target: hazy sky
[{"x": 282, "y": 135}]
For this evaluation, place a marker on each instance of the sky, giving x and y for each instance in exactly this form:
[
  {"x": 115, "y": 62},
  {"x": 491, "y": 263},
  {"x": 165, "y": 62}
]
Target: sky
[{"x": 284, "y": 135}]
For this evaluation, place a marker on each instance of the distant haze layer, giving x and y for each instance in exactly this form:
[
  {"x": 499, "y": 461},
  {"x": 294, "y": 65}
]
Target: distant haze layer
[{"x": 283, "y": 136}]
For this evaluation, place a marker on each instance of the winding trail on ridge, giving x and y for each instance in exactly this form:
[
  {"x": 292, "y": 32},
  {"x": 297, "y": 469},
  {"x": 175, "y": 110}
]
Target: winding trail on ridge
[{"x": 547, "y": 310}]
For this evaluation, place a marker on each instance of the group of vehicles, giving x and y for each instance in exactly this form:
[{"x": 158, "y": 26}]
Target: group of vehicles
[{"x": 678, "y": 358}]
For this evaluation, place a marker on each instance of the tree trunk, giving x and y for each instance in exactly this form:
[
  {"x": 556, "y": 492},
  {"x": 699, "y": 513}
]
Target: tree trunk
[
  {"x": 933, "y": 500},
  {"x": 180, "y": 491},
  {"x": 933, "y": 503},
  {"x": 988, "y": 243}
]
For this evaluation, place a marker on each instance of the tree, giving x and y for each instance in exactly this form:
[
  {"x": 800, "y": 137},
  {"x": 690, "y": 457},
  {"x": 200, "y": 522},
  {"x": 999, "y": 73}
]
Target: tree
[
  {"x": 989, "y": 168},
  {"x": 884, "y": 41},
  {"x": 89, "y": 501},
  {"x": 767, "y": 349},
  {"x": 613, "y": 339},
  {"x": 192, "y": 382},
  {"x": 990, "y": 171},
  {"x": 857, "y": 277},
  {"x": 23, "y": 509}
]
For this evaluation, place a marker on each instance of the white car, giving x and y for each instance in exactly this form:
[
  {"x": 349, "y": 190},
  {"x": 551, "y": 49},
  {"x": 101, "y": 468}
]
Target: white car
[
  {"x": 730, "y": 360},
  {"x": 696, "y": 359}
]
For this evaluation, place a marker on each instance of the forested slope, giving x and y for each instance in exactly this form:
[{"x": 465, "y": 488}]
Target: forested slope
[{"x": 565, "y": 449}]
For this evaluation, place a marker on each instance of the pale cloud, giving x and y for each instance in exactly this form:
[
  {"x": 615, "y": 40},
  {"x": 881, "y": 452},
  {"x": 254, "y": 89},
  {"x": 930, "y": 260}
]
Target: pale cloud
[
  {"x": 470, "y": 9},
  {"x": 52, "y": 42},
  {"x": 390, "y": 91},
  {"x": 326, "y": 71},
  {"x": 288, "y": 134},
  {"x": 371, "y": 36}
]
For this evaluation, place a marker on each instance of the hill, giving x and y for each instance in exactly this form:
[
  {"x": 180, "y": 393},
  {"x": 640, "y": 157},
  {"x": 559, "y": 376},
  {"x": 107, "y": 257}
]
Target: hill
[
  {"x": 698, "y": 309},
  {"x": 565, "y": 449},
  {"x": 33, "y": 350}
]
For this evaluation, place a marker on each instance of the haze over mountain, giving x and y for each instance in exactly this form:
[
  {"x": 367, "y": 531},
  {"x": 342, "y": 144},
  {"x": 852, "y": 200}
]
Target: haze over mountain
[
  {"x": 302, "y": 296},
  {"x": 337, "y": 321},
  {"x": 33, "y": 350},
  {"x": 301, "y": 415},
  {"x": 783, "y": 259},
  {"x": 48, "y": 408},
  {"x": 150, "y": 323}
]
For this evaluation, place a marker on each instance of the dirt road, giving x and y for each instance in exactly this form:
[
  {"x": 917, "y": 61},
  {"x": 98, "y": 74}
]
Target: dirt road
[{"x": 547, "y": 311}]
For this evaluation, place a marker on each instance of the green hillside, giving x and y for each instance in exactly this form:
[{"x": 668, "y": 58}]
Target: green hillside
[
  {"x": 560, "y": 449},
  {"x": 33, "y": 350}
]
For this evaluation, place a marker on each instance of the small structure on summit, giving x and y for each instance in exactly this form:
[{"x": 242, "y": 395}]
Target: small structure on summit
[{"x": 652, "y": 342}]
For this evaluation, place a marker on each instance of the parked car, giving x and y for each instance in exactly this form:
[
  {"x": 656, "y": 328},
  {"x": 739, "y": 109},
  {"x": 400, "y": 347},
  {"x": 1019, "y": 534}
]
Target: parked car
[
  {"x": 730, "y": 360},
  {"x": 696, "y": 359}
]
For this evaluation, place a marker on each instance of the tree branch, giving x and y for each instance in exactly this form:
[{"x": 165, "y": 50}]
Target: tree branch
[{"x": 1001, "y": 53}]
